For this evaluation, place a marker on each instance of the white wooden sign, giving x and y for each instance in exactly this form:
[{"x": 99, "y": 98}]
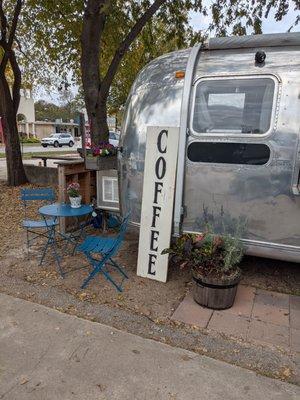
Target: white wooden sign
[{"x": 158, "y": 200}]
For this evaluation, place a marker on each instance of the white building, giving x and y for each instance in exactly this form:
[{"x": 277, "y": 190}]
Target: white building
[
  {"x": 26, "y": 113},
  {"x": 27, "y": 125}
]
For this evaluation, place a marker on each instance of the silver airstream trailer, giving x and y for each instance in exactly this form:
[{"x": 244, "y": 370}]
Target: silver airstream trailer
[{"x": 238, "y": 109}]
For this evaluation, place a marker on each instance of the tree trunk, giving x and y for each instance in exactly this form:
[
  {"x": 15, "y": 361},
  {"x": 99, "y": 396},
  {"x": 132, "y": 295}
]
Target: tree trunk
[
  {"x": 93, "y": 24},
  {"x": 99, "y": 125},
  {"x": 96, "y": 91},
  {"x": 10, "y": 98},
  {"x": 15, "y": 169}
]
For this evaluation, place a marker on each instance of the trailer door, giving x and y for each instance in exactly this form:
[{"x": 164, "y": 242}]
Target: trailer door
[{"x": 241, "y": 154}]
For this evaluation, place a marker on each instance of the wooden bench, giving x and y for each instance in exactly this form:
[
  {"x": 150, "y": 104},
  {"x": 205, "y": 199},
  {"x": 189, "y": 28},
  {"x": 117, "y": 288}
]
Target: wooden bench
[{"x": 45, "y": 158}]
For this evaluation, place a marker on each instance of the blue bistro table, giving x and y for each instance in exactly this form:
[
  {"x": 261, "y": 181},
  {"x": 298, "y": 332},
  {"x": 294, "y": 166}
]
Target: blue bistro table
[{"x": 57, "y": 211}]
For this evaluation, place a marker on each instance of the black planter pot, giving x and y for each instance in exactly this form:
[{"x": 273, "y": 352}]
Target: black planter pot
[{"x": 215, "y": 294}]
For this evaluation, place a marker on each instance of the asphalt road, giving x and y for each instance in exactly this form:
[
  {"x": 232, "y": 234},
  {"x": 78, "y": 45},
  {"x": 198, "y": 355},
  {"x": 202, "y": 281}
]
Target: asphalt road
[
  {"x": 35, "y": 149},
  {"x": 45, "y": 354},
  {"x": 39, "y": 149}
]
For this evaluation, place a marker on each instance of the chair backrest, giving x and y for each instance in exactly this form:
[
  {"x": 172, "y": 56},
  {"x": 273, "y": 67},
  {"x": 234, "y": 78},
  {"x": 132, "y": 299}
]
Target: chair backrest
[
  {"x": 122, "y": 231},
  {"x": 46, "y": 194},
  {"x": 41, "y": 194},
  {"x": 124, "y": 225}
]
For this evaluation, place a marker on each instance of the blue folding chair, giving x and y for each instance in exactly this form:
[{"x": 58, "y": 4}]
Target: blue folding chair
[
  {"x": 38, "y": 228},
  {"x": 107, "y": 247}
]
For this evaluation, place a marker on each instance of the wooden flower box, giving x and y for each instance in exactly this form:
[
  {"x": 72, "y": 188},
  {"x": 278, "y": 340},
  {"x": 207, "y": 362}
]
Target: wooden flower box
[{"x": 101, "y": 162}]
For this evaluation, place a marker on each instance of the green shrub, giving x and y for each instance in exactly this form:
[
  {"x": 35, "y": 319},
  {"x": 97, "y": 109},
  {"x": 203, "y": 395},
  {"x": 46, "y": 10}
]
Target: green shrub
[
  {"x": 207, "y": 254},
  {"x": 29, "y": 140}
]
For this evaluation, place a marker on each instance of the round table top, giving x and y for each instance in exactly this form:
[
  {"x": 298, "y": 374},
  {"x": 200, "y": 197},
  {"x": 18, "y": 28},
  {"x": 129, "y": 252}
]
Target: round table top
[{"x": 65, "y": 210}]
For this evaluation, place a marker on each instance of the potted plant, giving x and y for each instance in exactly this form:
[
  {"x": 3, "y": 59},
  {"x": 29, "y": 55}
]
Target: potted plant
[
  {"x": 101, "y": 157},
  {"x": 214, "y": 263},
  {"x": 74, "y": 194}
]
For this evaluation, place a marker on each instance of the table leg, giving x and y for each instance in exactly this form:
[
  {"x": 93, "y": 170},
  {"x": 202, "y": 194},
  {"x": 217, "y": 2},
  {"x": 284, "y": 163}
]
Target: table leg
[
  {"x": 104, "y": 221},
  {"x": 82, "y": 232},
  {"x": 56, "y": 256},
  {"x": 74, "y": 238},
  {"x": 51, "y": 242},
  {"x": 52, "y": 235}
]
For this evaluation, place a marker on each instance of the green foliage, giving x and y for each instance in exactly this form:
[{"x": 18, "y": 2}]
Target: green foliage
[
  {"x": 29, "y": 140},
  {"x": 48, "y": 45},
  {"x": 234, "y": 17},
  {"x": 69, "y": 109},
  {"x": 49, "y": 41},
  {"x": 153, "y": 42},
  {"x": 207, "y": 254},
  {"x": 73, "y": 189}
]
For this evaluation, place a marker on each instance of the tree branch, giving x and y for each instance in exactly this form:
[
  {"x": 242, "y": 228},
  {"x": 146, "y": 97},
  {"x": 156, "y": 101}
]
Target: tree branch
[
  {"x": 14, "y": 23},
  {"x": 3, "y": 25},
  {"x": 124, "y": 46},
  {"x": 20, "y": 48},
  {"x": 3, "y": 22},
  {"x": 7, "y": 44},
  {"x": 4, "y": 60}
]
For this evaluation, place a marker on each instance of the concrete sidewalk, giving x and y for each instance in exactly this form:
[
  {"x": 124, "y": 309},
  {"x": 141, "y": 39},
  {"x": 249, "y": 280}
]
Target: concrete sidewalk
[{"x": 48, "y": 355}]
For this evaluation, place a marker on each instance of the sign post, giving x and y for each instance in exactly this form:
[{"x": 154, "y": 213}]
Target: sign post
[{"x": 157, "y": 202}]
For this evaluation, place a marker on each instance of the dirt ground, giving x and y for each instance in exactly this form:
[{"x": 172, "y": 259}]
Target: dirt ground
[{"x": 155, "y": 300}]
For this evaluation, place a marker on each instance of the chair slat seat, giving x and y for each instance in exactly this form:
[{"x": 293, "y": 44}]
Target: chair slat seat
[
  {"x": 35, "y": 224},
  {"x": 97, "y": 244}
]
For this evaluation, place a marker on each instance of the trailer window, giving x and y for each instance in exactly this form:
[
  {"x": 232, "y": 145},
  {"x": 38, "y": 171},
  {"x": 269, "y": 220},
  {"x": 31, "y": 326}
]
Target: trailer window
[
  {"x": 229, "y": 153},
  {"x": 110, "y": 189},
  {"x": 233, "y": 105}
]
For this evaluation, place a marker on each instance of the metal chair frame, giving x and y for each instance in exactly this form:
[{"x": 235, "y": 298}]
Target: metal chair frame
[
  {"x": 46, "y": 195},
  {"x": 107, "y": 247}
]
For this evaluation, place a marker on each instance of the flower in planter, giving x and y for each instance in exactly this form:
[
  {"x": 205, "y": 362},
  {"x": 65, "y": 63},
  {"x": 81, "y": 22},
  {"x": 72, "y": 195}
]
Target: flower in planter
[
  {"x": 73, "y": 189},
  {"x": 208, "y": 255},
  {"x": 104, "y": 149},
  {"x": 213, "y": 261}
]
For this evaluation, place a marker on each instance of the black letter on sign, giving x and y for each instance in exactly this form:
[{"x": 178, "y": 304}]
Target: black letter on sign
[
  {"x": 155, "y": 215},
  {"x": 159, "y": 141},
  {"x": 152, "y": 259},
  {"x": 160, "y": 170},
  {"x": 157, "y": 190},
  {"x": 154, "y": 238}
]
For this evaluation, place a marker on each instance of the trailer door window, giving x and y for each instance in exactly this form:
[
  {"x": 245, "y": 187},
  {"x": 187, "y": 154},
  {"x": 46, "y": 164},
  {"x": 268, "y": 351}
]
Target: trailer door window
[{"x": 233, "y": 106}]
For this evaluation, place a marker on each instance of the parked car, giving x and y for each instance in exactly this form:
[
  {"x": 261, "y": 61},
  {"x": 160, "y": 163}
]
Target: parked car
[
  {"x": 114, "y": 138},
  {"x": 58, "y": 140}
]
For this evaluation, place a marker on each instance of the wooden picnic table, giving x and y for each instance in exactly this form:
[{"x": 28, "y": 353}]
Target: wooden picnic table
[{"x": 45, "y": 158}]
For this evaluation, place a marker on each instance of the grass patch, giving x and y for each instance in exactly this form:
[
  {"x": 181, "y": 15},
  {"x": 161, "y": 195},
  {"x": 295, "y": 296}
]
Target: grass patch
[{"x": 28, "y": 144}]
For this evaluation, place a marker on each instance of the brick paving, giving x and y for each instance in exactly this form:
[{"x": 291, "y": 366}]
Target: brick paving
[{"x": 257, "y": 315}]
